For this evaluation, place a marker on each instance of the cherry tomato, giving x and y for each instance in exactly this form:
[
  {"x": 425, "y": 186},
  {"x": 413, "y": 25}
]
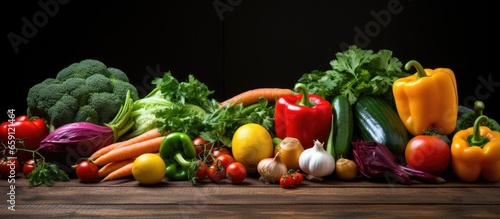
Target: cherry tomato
[
  {"x": 236, "y": 172},
  {"x": 202, "y": 171},
  {"x": 286, "y": 181},
  {"x": 87, "y": 171},
  {"x": 297, "y": 177},
  {"x": 428, "y": 153},
  {"x": 203, "y": 148},
  {"x": 28, "y": 167},
  {"x": 221, "y": 150},
  {"x": 216, "y": 173},
  {"x": 224, "y": 160},
  {"x": 9, "y": 167}
]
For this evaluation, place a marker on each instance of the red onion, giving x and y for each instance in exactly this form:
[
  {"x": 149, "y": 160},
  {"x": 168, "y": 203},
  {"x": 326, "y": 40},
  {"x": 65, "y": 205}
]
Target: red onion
[
  {"x": 375, "y": 160},
  {"x": 75, "y": 136}
]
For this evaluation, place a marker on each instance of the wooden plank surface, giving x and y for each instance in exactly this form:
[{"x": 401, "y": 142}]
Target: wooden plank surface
[
  {"x": 256, "y": 211},
  {"x": 180, "y": 199}
]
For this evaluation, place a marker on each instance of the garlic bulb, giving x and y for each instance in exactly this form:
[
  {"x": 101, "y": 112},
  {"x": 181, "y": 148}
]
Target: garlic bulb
[{"x": 316, "y": 161}]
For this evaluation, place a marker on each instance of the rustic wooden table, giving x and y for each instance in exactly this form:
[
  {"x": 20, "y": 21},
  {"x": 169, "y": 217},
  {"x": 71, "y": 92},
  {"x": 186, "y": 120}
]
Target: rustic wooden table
[{"x": 360, "y": 198}]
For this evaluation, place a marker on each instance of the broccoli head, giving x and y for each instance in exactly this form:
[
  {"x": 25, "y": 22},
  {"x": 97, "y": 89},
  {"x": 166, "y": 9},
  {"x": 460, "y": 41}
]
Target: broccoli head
[{"x": 87, "y": 91}]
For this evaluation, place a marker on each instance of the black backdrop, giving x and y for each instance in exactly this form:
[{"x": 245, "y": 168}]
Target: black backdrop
[{"x": 237, "y": 45}]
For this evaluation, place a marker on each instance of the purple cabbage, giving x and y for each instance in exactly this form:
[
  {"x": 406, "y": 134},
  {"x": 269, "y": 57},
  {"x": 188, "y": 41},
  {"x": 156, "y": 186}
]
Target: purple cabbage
[{"x": 375, "y": 160}]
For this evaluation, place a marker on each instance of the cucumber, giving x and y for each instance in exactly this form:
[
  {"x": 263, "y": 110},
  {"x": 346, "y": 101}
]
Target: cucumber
[
  {"x": 378, "y": 121},
  {"x": 343, "y": 129}
]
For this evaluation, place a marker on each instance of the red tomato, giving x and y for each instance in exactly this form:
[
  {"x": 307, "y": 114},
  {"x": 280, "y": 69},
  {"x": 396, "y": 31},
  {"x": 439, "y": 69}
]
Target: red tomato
[
  {"x": 9, "y": 168},
  {"x": 32, "y": 130},
  {"x": 286, "y": 181},
  {"x": 87, "y": 171},
  {"x": 216, "y": 173},
  {"x": 221, "y": 150},
  {"x": 297, "y": 177},
  {"x": 224, "y": 160},
  {"x": 428, "y": 153},
  {"x": 28, "y": 167},
  {"x": 236, "y": 172},
  {"x": 203, "y": 148},
  {"x": 201, "y": 173}
]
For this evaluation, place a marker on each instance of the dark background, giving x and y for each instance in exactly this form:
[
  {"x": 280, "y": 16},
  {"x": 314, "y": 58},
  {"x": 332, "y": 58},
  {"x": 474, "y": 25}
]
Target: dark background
[{"x": 233, "y": 46}]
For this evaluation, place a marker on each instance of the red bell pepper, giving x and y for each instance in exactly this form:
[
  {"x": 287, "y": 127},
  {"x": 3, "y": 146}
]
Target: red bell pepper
[
  {"x": 31, "y": 130},
  {"x": 304, "y": 116}
]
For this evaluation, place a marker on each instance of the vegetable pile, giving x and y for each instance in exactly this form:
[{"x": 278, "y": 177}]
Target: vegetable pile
[{"x": 366, "y": 118}]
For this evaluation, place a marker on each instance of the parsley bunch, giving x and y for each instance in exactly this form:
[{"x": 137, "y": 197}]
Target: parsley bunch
[{"x": 356, "y": 72}]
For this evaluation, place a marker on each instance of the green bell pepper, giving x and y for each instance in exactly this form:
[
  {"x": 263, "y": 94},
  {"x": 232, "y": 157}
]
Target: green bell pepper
[{"x": 179, "y": 154}]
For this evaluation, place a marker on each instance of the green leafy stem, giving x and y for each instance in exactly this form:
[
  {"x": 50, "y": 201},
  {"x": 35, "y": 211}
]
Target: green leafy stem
[{"x": 44, "y": 172}]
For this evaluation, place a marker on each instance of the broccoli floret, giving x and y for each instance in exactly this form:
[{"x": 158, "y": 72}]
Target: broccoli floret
[
  {"x": 73, "y": 83},
  {"x": 84, "y": 91},
  {"x": 120, "y": 88},
  {"x": 35, "y": 90},
  {"x": 98, "y": 83},
  {"x": 62, "y": 111},
  {"x": 43, "y": 97},
  {"x": 83, "y": 69},
  {"x": 103, "y": 102},
  {"x": 92, "y": 67},
  {"x": 117, "y": 74},
  {"x": 81, "y": 93},
  {"x": 67, "y": 72},
  {"x": 87, "y": 114}
]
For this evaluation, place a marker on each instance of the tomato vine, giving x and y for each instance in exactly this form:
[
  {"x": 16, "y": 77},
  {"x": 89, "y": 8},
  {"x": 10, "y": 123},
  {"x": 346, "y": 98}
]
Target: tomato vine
[{"x": 44, "y": 172}]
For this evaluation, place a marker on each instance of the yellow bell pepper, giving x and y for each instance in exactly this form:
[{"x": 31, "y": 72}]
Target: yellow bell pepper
[
  {"x": 427, "y": 99},
  {"x": 475, "y": 153}
]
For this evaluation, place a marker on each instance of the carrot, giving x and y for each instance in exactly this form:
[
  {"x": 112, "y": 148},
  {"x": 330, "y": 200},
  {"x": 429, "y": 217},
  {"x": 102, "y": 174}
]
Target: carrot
[
  {"x": 111, "y": 167},
  {"x": 121, "y": 172},
  {"x": 252, "y": 96},
  {"x": 118, "y": 169},
  {"x": 130, "y": 151},
  {"x": 153, "y": 133}
]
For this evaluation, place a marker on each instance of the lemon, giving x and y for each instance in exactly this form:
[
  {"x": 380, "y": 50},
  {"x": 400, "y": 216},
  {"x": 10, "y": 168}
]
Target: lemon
[
  {"x": 148, "y": 169},
  {"x": 250, "y": 144}
]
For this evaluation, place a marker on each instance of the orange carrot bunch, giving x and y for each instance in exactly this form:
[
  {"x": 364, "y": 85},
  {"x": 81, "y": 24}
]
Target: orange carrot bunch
[{"x": 115, "y": 160}]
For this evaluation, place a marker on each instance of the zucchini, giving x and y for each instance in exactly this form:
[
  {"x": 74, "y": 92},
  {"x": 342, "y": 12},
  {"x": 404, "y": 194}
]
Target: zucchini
[
  {"x": 378, "y": 121},
  {"x": 343, "y": 129}
]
